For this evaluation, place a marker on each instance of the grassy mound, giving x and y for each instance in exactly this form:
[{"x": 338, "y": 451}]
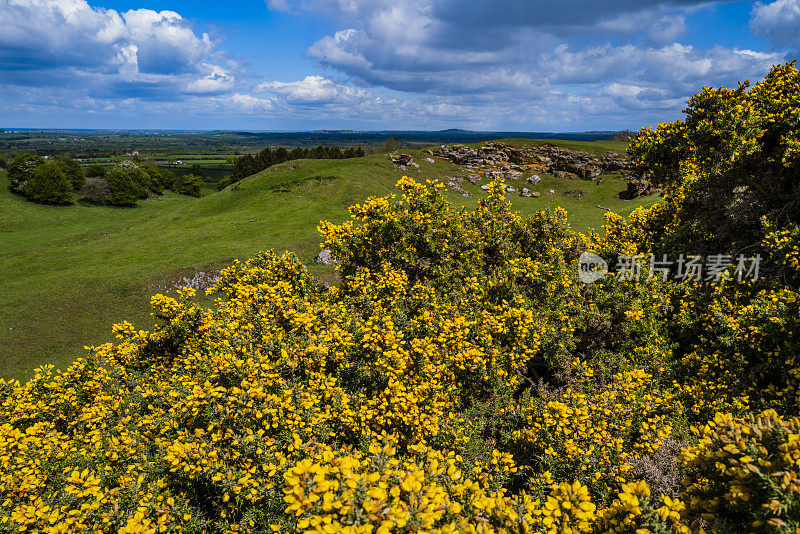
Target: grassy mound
[{"x": 68, "y": 273}]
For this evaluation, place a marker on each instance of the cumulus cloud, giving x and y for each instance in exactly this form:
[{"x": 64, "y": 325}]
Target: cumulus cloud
[
  {"x": 539, "y": 57},
  {"x": 216, "y": 81},
  {"x": 779, "y": 22},
  {"x": 251, "y": 103},
  {"x": 314, "y": 90},
  {"x": 46, "y": 42},
  {"x": 416, "y": 64}
]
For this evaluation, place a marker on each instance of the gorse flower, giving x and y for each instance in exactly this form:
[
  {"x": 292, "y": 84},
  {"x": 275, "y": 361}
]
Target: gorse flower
[{"x": 460, "y": 378}]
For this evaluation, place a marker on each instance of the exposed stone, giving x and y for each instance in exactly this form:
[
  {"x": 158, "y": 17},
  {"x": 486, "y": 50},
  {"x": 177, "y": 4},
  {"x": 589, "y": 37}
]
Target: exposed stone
[
  {"x": 458, "y": 154},
  {"x": 454, "y": 183},
  {"x": 551, "y": 192},
  {"x": 638, "y": 186},
  {"x": 525, "y": 192},
  {"x": 325, "y": 257},
  {"x": 485, "y": 187},
  {"x": 400, "y": 159},
  {"x": 199, "y": 281},
  {"x": 535, "y": 179},
  {"x": 549, "y": 158},
  {"x": 430, "y": 160}
]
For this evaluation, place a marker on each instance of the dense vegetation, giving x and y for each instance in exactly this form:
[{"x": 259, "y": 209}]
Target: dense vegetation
[
  {"x": 43, "y": 247},
  {"x": 249, "y": 165},
  {"x": 459, "y": 378},
  {"x": 62, "y": 180}
]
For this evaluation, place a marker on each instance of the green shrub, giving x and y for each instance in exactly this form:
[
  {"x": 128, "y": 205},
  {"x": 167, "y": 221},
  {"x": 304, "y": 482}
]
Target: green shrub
[
  {"x": 73, "y": 170},
  {"x": 123, "y": 191},
  {"x": 160, "y": 178},
  {"x": 188, "y": 184},
  {"x": 225, "y": 182},
  {"x": 49, "y": 184}
]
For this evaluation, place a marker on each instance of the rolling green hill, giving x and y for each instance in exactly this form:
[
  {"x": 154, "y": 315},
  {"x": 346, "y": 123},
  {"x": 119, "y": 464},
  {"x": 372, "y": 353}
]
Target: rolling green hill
[{"x": 68, "y": 273}]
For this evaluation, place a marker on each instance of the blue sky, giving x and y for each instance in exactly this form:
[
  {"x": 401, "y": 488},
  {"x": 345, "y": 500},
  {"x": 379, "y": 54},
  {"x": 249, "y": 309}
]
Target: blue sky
[{"x": 525, "y": 65}]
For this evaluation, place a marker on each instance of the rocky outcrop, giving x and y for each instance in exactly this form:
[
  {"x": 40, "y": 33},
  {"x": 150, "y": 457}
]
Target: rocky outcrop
[
  {"x": 638, "y": 186},
  {"x": 400, "y": 159},
  {"x": 552, "y": 159},
  {"x": 496, "y": 160}
]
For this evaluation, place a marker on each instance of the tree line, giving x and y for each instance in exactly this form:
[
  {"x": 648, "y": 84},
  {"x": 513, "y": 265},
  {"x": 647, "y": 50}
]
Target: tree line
[
  {"x": 251, "y": 164},
  {"x": 62, "y": 181}
]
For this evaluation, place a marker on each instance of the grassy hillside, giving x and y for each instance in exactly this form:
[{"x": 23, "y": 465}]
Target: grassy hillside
[{"x": 69, "y": 273}]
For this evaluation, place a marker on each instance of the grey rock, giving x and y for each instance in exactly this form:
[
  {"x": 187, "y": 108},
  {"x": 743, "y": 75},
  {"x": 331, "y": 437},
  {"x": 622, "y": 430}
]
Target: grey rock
[{"x": 325, "y": 257}]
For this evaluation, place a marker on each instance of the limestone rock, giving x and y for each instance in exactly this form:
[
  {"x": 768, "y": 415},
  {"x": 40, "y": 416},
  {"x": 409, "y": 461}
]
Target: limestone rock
[{"x": 325, "y": 257}]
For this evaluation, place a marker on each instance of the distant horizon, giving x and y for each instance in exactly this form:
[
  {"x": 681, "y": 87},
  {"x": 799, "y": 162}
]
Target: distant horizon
[{"x": 332, "y": 130}]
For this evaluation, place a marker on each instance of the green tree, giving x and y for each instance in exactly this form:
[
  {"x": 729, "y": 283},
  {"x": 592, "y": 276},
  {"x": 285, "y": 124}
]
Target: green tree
[
  {"x": 49, "y": 184},
  {"x": 196, "y": 170},
  {"x": 188, "y": 184},
  {"x": 95, "y": 170},
  {"x": 20, "y": 171},
  {"x": 123, "y": 191},
  {"x": 73, "y": 170}
]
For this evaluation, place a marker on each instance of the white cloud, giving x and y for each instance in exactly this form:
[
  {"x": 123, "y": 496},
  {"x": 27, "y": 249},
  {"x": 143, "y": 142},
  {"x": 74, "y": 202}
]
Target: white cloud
[
  {"x": 216, "y": 81},
  {"x": 251, "y": 103},
  {"x": 314, "y": 90},
  {"x": 68, "y": 41},
  {"x": 779, "y": 22}
]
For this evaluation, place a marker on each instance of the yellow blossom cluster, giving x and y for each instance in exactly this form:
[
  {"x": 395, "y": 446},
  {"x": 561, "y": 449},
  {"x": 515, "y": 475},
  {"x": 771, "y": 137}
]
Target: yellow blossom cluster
[{"x": 458, "y": 378}]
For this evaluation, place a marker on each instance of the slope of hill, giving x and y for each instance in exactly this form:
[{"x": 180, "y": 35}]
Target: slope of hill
[{"x": 69, "y": 273}]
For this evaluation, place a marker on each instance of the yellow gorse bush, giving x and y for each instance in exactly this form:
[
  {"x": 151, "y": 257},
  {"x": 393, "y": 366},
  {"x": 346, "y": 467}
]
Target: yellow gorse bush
[{"x": 459, "y": 378}]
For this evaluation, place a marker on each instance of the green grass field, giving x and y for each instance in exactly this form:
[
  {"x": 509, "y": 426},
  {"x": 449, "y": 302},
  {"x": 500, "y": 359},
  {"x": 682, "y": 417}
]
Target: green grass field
[{"x": 69, "y": 273}]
